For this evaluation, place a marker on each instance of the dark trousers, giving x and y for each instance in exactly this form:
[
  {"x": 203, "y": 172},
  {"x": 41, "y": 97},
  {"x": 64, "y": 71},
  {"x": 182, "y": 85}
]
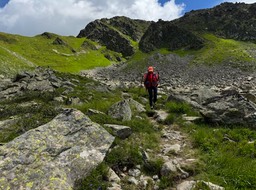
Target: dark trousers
[{"x": 152, "y": 92}]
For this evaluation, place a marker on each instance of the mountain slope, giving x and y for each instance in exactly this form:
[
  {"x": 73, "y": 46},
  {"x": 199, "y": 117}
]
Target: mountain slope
[
  {"x": 119, "y": 34},
  {"x": 228, "y": 20},
  {"x": 221, "y": 35},
  {"x": 164, "y": 34},
  {"x": 63, "y": 53}
]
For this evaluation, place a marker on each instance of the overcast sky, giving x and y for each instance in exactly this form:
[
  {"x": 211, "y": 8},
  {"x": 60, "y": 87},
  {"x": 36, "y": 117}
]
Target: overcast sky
[{"x": 68, "y": 17}]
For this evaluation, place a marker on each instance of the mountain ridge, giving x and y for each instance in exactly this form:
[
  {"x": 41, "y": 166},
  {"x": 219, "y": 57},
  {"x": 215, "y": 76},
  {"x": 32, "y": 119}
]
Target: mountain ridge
[{"x": 119, "y": 39}]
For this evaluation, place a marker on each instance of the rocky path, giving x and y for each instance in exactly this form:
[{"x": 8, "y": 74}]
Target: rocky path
[
  {"x": 179, "y": 158},
  {"x": 175, "y": 149}
]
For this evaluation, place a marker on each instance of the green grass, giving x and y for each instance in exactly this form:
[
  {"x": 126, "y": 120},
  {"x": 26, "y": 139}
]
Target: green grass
[
  {"x": 41, "y": 111},
  {"x": 10, "y": 63},
  {"x": 96, "y": 179},
  {"x": 229, "y": 155},
  {"x": 218, "y": 50},
  {"x": 176, "y": 110},
  {"x": 42, "y": 52}
]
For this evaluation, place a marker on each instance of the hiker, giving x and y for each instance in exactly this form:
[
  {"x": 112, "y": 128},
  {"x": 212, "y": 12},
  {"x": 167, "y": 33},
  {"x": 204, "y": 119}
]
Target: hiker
[{"x": 150, "y": 80}]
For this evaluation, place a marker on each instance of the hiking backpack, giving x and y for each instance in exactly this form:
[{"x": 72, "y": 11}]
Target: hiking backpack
[{"x": 151, "y": 79}]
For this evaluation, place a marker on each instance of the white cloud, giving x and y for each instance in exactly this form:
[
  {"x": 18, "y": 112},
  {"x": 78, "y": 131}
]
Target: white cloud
[{"x": 68, "y": 17}]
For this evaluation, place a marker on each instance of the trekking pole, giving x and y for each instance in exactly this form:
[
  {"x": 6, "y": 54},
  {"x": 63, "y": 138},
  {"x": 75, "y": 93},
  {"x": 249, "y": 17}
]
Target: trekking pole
[{"x": 158, "y": 77}]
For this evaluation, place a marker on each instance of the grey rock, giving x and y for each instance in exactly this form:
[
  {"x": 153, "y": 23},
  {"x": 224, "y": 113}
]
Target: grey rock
[
  {"x": 74, "y": 101},
  {"x": 114, "y": 186},
  {"x": 120, "y": 130},
  {"x": 134, "y": 181},
  {"x": 136, "y": 105},
  {"x": 160, "y": 115},
  {"x": 69, "y": 147},
  {"x": 202, "y": 94},
  {"x": 126, "y": 95},
  {"x": 134, "y": 172},
  {"x": 112, "y": 176},
  {"x": 211, "y": 185},
  {"x": 94, "y": 112},
  {"x": 191, "y": 118},
  {"x": 59, "y": 99},
  {"x": 172, "y": 148},
  {"x": 121, "y": 110},
  {"x": 7, "y": 123},
  {"x": 186, "y": 185},
  {"x": 168, "y": 168}
]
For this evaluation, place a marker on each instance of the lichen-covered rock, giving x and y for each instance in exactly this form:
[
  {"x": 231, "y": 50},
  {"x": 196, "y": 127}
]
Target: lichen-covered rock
[{"x": 54, "y": 155}]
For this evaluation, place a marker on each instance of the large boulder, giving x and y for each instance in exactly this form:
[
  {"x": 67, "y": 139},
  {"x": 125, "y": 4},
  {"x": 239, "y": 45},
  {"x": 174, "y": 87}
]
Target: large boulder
[
  {"x": 221, "y": 106},
  {"x": 121, "y": 111},
  {"x": 54, "y": 155},
  {"x": 229, "y": 107}
]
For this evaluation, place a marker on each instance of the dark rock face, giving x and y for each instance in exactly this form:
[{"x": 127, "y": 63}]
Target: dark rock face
[
  {"x": 48, "y": 35},
  {"x": 59, "y": 41},
  {"x": 235, "y": 21},
  {"x": 164, "y": 34},
  {"x": 112, "y": 39},
  {"x": 131, "y": 27}
]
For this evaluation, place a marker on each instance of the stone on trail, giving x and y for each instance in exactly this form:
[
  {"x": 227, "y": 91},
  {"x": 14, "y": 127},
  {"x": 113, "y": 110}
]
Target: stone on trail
[
  {"x": 120, "y": 130},
  {"x": 54, "y": 155}
]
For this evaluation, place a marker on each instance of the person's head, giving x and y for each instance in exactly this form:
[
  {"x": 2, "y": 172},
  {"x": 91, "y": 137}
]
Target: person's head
[{"x": 150, "y": 69}]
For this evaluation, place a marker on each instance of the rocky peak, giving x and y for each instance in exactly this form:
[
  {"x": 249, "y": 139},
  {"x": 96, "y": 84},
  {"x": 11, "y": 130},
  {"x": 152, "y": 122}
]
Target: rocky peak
[
  {"x": 108, "y": 36},
  {"x": 164, "y": 34},
  {"x": 115, "y": 33},
  {"x": 228, "y": 20},
  {"x": 131, "y": 27}
]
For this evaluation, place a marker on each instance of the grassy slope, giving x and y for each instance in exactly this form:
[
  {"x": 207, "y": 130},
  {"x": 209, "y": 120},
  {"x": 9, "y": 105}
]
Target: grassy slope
[
  {"x": 20, "y": 52},
  {"x": 40, "y": 51},
  {"x": 219, "y": 50}
]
